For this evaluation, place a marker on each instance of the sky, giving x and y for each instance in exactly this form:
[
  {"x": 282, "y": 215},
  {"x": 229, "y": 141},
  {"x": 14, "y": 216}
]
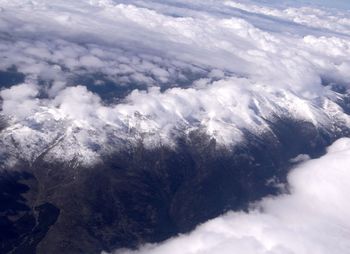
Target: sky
[{"x": 342, "y": 4}]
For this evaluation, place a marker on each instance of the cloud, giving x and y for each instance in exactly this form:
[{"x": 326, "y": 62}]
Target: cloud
[
  {"x": 77, "y": 102},
  {"x": 312, "y": 218},
  {"x": 20, "y": 100}
]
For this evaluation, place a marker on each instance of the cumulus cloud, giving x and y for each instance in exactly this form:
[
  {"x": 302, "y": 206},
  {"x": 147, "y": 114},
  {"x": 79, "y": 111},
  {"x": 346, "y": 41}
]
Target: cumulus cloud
[
  {"x": 229, "y": 42},
  {"x": 20, "y": 100},
  {"x": 77, "y": 102},
  {"x": 311, "y": 218}
]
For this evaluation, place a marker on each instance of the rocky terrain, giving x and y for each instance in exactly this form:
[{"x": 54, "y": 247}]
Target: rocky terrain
[{"x": 124, "y": 123}]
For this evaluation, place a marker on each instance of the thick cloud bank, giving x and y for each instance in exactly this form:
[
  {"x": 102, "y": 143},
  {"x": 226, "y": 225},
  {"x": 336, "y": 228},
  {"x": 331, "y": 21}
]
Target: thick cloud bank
[
  {"x": 312, "y": 218},
  {"x": 108, "y": 72}
]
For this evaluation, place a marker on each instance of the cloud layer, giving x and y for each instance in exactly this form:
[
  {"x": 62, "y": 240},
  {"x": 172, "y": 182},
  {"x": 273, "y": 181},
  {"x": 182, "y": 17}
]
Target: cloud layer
[
  {"x": 311, "y": 218},
  {"x": 168, "y": 67}
]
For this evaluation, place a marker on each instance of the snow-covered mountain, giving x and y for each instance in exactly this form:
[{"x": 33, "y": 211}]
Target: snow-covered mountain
[
  {"x": 222, "y": 112},
  {"x": 166, "y": 107}
]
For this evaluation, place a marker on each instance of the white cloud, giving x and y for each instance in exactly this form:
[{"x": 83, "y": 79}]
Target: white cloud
[
  {"x": 20, "y": 100},
  {"x": 306, "y": 14},
  {"x": 312, "y": 218},
  {"x": 77, "y": 103}
]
